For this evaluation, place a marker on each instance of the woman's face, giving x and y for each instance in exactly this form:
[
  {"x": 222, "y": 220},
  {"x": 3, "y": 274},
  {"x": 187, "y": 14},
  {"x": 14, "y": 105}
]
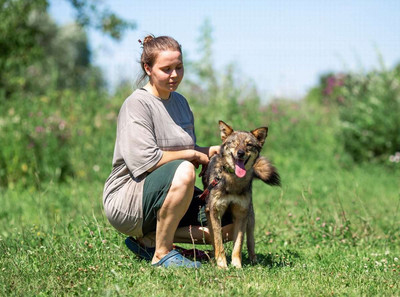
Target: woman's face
[{"x": 166, "y": 73}]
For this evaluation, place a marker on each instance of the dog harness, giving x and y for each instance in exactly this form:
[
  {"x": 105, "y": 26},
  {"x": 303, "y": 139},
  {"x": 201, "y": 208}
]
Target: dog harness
[{"x": 206, "y": 192}]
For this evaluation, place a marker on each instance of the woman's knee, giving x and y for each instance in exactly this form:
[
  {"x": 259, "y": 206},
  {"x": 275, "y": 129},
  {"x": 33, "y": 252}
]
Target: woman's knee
[{"x": 185, "y": 175}]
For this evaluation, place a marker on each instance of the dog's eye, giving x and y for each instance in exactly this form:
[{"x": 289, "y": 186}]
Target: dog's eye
[{"x": 250, "y": 145}]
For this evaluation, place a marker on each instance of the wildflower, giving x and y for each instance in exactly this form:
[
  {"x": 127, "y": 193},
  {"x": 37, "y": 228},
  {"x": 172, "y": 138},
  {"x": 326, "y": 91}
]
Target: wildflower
[
  {"x": 44, "y": 99},
  {"x": 61, "y": 125},
  {"x": 274, "y": 108},
  {"x": 24, "y": 167},
  {"x": 395, "y": 158},
  {"x": 39, "y": 129}
]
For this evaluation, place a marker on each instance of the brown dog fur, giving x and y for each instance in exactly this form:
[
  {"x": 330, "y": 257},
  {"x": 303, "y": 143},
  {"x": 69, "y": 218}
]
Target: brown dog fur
[{"x": 237, "y": 164}]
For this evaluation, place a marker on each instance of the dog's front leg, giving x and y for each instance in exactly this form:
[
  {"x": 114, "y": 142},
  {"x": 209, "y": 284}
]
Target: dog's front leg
[
  {"x": 239, "y": 227},
  {"x": 250, "y": 235},
  {"x": 214, "y": 219}
]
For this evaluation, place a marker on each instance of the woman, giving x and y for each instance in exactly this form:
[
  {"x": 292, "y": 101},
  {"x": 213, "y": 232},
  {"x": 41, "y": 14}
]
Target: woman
[{"x": 150, "y": 192}]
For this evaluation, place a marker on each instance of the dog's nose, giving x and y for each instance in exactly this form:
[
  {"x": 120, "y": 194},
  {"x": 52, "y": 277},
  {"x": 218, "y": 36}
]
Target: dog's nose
[{"x": 240, "y": 154}]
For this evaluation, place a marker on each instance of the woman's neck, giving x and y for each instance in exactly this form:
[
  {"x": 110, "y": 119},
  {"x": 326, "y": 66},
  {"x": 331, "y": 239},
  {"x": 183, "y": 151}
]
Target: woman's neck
[{"x": 153, "y": 90}]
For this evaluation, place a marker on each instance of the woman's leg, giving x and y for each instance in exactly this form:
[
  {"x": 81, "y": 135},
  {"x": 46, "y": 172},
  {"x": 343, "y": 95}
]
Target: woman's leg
[
  {"x": 173, "y": 209},
  {"x": 200, "y": 234}
]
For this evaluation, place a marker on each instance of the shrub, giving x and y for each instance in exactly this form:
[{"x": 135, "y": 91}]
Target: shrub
[
  {"x": 368, "y": 107},
  {"x": 369, "y": 114}
]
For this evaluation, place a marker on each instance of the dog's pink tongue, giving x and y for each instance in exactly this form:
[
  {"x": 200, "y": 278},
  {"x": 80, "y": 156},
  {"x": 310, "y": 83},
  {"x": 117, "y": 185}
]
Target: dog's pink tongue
[{"x": 240, "y": 171}]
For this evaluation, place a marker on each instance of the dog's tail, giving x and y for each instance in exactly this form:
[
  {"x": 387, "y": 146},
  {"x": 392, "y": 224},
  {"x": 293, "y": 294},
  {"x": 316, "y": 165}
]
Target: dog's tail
[{"x": 264, "y": 170}]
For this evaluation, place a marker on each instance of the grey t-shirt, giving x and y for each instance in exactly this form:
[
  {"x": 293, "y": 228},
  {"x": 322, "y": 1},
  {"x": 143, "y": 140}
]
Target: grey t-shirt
[{"x": 147, "y": 126}]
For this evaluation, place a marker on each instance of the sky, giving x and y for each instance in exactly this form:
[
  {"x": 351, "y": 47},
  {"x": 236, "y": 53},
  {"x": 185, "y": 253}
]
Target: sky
[{"x": 283, "y": 46}]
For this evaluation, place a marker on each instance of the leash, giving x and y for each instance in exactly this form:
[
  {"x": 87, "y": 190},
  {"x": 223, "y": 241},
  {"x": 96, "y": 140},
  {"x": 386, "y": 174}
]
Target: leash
[{"x": 206, "y": 192}]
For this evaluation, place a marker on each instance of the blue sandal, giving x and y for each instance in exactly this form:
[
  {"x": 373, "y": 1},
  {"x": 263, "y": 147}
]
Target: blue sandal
[
  {"x": 142, "y": 252},
  {"x": 175, "y": 259}
]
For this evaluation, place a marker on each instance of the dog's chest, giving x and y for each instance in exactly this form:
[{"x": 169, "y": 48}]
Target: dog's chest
[
  {"x": 223, "y": 201},
  {"x": 231, "y": 191}
]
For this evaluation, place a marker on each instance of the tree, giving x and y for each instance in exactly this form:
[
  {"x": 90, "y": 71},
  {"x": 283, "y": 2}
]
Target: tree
[{"x": 34, "y": 51}]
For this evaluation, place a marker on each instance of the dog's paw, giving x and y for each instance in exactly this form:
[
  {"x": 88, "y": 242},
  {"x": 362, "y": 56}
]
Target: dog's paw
[
  {"x": 237, "y": 263},
  {"x": 253, "y": 260}
]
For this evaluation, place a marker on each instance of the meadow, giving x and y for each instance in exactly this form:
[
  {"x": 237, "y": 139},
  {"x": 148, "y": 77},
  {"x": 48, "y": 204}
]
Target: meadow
[{"x": 331, "y": 229}]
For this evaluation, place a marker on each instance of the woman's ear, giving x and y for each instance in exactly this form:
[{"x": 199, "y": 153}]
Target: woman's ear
[{"x": 147, "y": 68}]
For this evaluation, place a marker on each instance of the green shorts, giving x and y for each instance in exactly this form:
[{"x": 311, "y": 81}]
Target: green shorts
[{"x": 155, "y": 189}]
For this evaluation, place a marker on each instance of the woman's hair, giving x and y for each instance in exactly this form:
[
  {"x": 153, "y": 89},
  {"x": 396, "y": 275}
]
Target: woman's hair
[{"x": 152, "y": 46}]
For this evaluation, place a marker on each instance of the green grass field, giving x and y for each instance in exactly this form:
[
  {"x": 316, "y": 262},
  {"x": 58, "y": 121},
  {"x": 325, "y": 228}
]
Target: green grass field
[{"x": 325, "y": 232}]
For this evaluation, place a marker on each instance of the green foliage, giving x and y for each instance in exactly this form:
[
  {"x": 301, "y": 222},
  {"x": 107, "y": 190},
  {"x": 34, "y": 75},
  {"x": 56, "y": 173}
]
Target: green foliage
[
  {"x": 50, "y": 139},
  {"x": 37, "y": 144},
  {"x": 18, "y": 42},
  {"x": 90, "y": 13},
  {"x": 50, "y": 94},
  {"x": 38, "y": 56},
  {"x": 370, "y": 115},
  {"x": 368, "y": 106}
]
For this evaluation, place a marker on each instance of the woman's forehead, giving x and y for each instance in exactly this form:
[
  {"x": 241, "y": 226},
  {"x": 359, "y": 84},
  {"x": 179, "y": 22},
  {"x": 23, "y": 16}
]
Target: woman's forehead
[{"x": 169, "y": 57}]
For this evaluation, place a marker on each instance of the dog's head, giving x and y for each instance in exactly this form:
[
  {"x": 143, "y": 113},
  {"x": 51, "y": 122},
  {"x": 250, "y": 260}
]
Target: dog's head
[{"x": 241, "y": 149}]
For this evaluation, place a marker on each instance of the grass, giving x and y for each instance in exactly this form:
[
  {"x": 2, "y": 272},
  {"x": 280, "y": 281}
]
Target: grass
[
  {"x": 331, "y": 229},
  {"x": 322, "y": 233}
]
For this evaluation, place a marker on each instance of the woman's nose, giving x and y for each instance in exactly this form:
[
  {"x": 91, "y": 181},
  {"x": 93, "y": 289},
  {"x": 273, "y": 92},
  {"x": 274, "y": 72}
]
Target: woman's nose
[{"x": 174, "y": 73}]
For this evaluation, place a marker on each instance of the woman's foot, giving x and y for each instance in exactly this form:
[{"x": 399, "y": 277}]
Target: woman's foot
[
  {"x": 140, "y": 250},
  {"x": 175, "y": 259}
]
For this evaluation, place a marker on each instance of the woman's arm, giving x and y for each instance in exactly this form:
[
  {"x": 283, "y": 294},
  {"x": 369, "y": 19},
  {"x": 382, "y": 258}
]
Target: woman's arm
[{"x": 195, "y": 156}]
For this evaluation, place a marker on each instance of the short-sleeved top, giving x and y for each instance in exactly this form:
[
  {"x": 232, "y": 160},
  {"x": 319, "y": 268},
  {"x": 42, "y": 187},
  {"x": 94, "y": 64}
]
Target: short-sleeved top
[{"x": 147, "y": 125}]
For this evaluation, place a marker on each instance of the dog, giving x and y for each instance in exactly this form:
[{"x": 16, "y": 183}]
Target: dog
[{"x": 228, "y": 183}]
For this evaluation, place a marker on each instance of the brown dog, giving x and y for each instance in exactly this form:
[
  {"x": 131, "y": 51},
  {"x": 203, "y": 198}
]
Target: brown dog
[{"x": 231, "y": 173}]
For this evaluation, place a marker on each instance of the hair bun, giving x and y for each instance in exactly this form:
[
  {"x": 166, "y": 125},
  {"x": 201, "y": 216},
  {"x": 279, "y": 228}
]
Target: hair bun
[{"x": 147, "y": 39}]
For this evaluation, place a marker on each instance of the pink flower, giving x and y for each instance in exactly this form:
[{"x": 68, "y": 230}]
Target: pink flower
[{"x": 39, "y": 129}]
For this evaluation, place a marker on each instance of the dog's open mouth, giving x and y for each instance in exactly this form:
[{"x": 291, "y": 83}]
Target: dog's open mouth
[{"x": 240, "y": 170}]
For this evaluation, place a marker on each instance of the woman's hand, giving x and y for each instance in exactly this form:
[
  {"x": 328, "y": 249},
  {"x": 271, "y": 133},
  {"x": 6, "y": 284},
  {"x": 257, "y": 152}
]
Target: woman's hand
[
  {"x": 214, "y": 150},
  {"x": 199, "y": 158},
  {"x": 209, "y": 152}
]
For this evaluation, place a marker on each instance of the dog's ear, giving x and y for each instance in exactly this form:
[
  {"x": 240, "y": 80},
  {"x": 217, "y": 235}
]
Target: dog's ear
[
  {"x": 264, "y": 170},
  {"x": 260, "y": 134},
  {"x": 226, "y": 130}
]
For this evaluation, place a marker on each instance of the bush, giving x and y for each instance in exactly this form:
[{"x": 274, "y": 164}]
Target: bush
[
  {"x": 369, "y": 114},
  {"x": 368, "y": 107}
]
